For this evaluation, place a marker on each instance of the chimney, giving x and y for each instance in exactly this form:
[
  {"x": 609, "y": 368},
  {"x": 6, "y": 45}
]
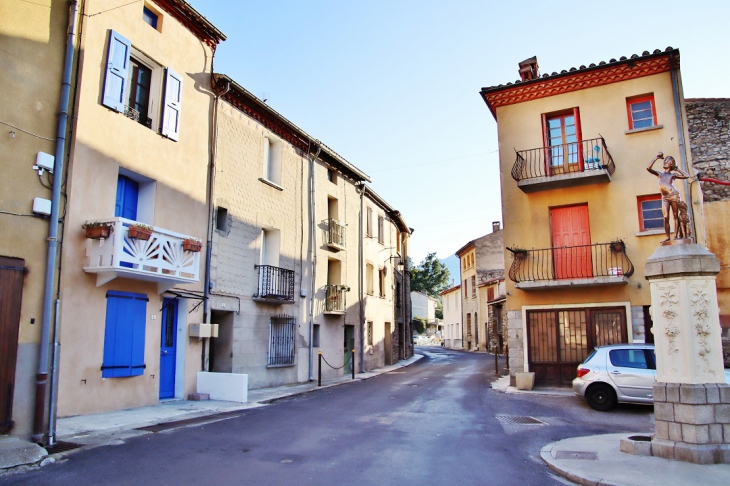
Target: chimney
[
  {"x": 495, "y": 226},
  {"x": 529, "y": 69}
]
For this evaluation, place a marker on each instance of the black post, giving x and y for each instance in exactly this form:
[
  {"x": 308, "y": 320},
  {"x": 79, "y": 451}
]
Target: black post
[
  {"x": 496, "y": 362},
  {"x": 319, "y": 371},
  {"x": 352, "y": 363}
]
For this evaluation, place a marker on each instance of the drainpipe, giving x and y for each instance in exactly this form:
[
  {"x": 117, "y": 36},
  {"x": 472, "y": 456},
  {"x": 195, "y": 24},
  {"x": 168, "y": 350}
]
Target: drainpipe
[
  {"x": 54, "y": 377},
  {"x": 42, "y": 374},
  {"x": 204, "y": 365},
  {"x": 360, "y": 263},
  {"x": 682, "y": 150},
  {"x": 313, "y": 229}
]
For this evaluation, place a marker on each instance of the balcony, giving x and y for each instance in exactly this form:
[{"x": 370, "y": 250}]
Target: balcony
[
  {"x": 568, "y": 165},
  {"x": 336, "y": 234},
  {"x": 571, "y": 266},
  {"x": 275, "y": 285},
  {"x": 160, "y": 259},
  {"x": 335, "y": 302}
]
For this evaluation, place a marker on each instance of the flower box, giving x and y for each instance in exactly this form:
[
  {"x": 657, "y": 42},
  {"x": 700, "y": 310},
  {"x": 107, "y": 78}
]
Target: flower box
[
  {"x": 97, "y": 231},
  {"x": 139, "y": 232},
  {"x": 192, "y": 245}
]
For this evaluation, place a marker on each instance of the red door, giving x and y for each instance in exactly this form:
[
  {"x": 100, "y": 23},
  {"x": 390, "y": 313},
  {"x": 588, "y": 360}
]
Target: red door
[{"x": 571, "y": 242}]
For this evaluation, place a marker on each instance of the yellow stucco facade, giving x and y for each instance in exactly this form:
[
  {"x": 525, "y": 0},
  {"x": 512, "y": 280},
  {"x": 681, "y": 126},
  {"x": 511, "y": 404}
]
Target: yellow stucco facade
[
  {"x": 32, "y": 40},
  {"x": 599, "y": 98}
]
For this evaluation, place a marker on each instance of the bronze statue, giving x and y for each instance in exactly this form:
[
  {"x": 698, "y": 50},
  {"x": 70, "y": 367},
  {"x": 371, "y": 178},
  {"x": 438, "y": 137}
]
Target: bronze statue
[
  {"x": 670, "y": 195},
  {"x": 686, "y": 231}
]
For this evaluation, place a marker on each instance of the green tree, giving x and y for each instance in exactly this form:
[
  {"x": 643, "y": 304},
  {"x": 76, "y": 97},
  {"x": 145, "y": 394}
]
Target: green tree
[{"x": 430, "y": 276}]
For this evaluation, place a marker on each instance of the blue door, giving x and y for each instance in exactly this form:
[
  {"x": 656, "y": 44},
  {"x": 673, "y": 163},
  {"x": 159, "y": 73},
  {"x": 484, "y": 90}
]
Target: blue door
[
  {"x": 127, "y": 197},
  {"x": 167, "y": 348}
]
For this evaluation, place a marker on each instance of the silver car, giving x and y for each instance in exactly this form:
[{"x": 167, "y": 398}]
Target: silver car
[{"x": 618, "y": 373}]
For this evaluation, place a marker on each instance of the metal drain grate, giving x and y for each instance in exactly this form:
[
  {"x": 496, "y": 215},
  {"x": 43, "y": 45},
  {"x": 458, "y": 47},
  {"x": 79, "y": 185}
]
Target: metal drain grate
[
  {"x": 61, "y": 446},
  {"x": 519, "y": 420},
  {"x": 577, "y": 455},
  {"x": 192, "y": 421}
]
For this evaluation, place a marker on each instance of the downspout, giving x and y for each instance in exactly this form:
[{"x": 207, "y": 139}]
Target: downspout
[
  {"x": 42, "y": 374},
  {"x": 211, "y": 192},
  {"x": 682, "y": 150},
  {"x": 360, "y": 263},
  {"x": 313, "y": 229}
]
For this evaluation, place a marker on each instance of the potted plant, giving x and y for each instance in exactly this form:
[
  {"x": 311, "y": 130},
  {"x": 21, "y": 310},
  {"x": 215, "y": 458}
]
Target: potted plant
[
  {"x": 97, "y": 230},
  {"x": 617, "y": 246},
  {"x": 519, "y": 253},
  {"x": 192, "y": 244},
  {"x": 140, "y": 231}
]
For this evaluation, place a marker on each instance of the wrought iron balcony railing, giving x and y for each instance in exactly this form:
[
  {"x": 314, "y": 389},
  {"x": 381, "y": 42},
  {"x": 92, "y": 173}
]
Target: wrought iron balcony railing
[
  {"x": 570, "y": 263},
  {"x": 336, "y": 234},
  {"x": 335, "y": 301},
  {"x": 275, "y": 283},
  {"x": 161, "y": 258},
  {"x": 583, "y": 156},
  {"x": 135, "y": 115}
]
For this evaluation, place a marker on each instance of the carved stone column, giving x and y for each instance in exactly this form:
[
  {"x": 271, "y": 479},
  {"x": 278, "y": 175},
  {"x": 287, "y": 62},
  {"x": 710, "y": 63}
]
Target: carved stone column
[{"x": 691, "y": 397}]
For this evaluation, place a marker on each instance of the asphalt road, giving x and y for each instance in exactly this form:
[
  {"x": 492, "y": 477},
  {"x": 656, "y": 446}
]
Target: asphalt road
[{"x": 432, "y": 423}]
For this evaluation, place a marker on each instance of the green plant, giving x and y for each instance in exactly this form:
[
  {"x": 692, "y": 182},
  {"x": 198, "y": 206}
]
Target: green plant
[
  {"x": 141, "y": 226},
  {"x": 344, "y": 288},
  {"x": 96, "y": 224},
  {"x": 192, "y": 241}
]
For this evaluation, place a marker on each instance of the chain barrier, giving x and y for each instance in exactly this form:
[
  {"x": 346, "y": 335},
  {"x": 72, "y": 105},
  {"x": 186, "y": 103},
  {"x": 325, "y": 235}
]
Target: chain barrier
[{"x": 350, "y": 359}]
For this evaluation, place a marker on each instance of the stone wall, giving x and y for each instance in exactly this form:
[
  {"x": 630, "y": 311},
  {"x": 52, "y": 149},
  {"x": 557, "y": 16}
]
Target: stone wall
[
  {"x": 516, "y": 344},
  {"x": 707, "y": 122}
]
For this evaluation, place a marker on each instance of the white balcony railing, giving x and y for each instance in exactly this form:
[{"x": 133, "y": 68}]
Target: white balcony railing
[
  {"x": 336, "y": 231},
  {"x": 160, "y": 259}
]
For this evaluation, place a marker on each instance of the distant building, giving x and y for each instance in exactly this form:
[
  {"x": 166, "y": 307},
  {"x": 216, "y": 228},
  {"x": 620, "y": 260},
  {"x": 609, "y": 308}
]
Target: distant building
[
  {"x": 481, "y": 260},
  {"x": 451, "y": 300}
]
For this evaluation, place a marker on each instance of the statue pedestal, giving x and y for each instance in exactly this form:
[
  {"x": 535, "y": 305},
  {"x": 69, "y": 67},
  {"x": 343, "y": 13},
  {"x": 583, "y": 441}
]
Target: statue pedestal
[{"x": 691, "y": 397}]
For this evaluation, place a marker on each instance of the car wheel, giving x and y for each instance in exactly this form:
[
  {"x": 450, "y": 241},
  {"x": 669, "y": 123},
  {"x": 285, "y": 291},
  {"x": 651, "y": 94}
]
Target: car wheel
[{"x": 601, "y": 397}]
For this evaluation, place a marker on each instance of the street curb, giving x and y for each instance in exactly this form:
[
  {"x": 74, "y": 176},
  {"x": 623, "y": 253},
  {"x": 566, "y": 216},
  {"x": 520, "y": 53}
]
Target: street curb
[{"x": 546, "y": 453}]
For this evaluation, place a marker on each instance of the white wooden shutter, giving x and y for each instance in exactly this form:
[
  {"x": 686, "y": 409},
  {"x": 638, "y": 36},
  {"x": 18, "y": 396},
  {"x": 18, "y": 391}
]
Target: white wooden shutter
[
  {"x": 173, "y": 105},
  {"x": 117, "y": 68}
]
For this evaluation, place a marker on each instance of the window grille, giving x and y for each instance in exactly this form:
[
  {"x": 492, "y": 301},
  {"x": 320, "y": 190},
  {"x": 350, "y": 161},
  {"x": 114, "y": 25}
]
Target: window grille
[{"x": 281, "y": 340}]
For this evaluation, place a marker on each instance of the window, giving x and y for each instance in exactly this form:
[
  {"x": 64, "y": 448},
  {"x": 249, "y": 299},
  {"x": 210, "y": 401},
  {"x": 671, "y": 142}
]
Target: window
[
  {"x": 641, "y": 111},
  {"x": 456, "y": 301},
  {"x": 272, "y": 162},
  {"x": 150, "y": 17},
  {"x": 369, "y": 222},
  {"x": 381, "y": 235},
  {"x": 473, "y": 287},
  {"x": 490, "y": 294},
  {"x": 221, "y": 219},
  {"x": 397, "y": 241},
  {"x": 315, "y": 335},
  {"x": 466, "y": 295},
  {"x": 270, "y": 244},
  {"x": 629, "y": 358},
  {"x": 369, "y": 269},
  {"x": 126, "y": 318},
  {"x": 370, "y": 333},
  {"x": 381, "y": 281},
  {"x": 650, "y": 212},
  {"x": 332, "y": 175},
  {"x": 281, "y": 340},
  {"x": 132, "y": 85},
  {"x": 561, "y": 132},
  {"x": 448, "y": 299}
]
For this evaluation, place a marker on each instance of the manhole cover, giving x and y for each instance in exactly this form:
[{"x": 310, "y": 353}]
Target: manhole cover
[
  {"x": 61, "y": 446},
  {"x": 577, "y": 455},
  {"x": 519, "y": 420}
]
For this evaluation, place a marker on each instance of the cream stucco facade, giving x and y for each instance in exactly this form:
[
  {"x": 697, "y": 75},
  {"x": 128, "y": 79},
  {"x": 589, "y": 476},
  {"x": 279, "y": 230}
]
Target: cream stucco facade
[
  {"x": 32, "y": 40},
  {"x": 166, "y": 177},
  {"x": 610, "y": 207}
]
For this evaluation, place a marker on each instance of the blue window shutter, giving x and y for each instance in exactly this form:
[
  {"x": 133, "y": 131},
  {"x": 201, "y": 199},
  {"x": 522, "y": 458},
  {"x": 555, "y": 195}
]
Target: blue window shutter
[
  {"x": 124, "y": 334},
  {"x": 173, "y": 105},
  {"x": 117, "y": 67},
  {"x": 139, "y": 312}
]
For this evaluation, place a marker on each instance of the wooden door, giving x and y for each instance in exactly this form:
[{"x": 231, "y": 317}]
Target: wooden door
[
  {"x": 571, "y": 242},
  {"x": 11, "y": 295},
  {"x": 388, "y": 345}
]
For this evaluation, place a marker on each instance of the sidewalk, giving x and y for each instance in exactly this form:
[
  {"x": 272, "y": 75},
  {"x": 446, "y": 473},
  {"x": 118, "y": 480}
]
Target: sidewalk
[
  {"x": 597, "y": 461},
  {"x": 502, "y": 384},
  {"x": 113, "y": 427}
]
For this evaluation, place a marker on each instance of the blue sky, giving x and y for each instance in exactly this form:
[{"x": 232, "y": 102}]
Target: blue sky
[{"x": 393, "y": 86}]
